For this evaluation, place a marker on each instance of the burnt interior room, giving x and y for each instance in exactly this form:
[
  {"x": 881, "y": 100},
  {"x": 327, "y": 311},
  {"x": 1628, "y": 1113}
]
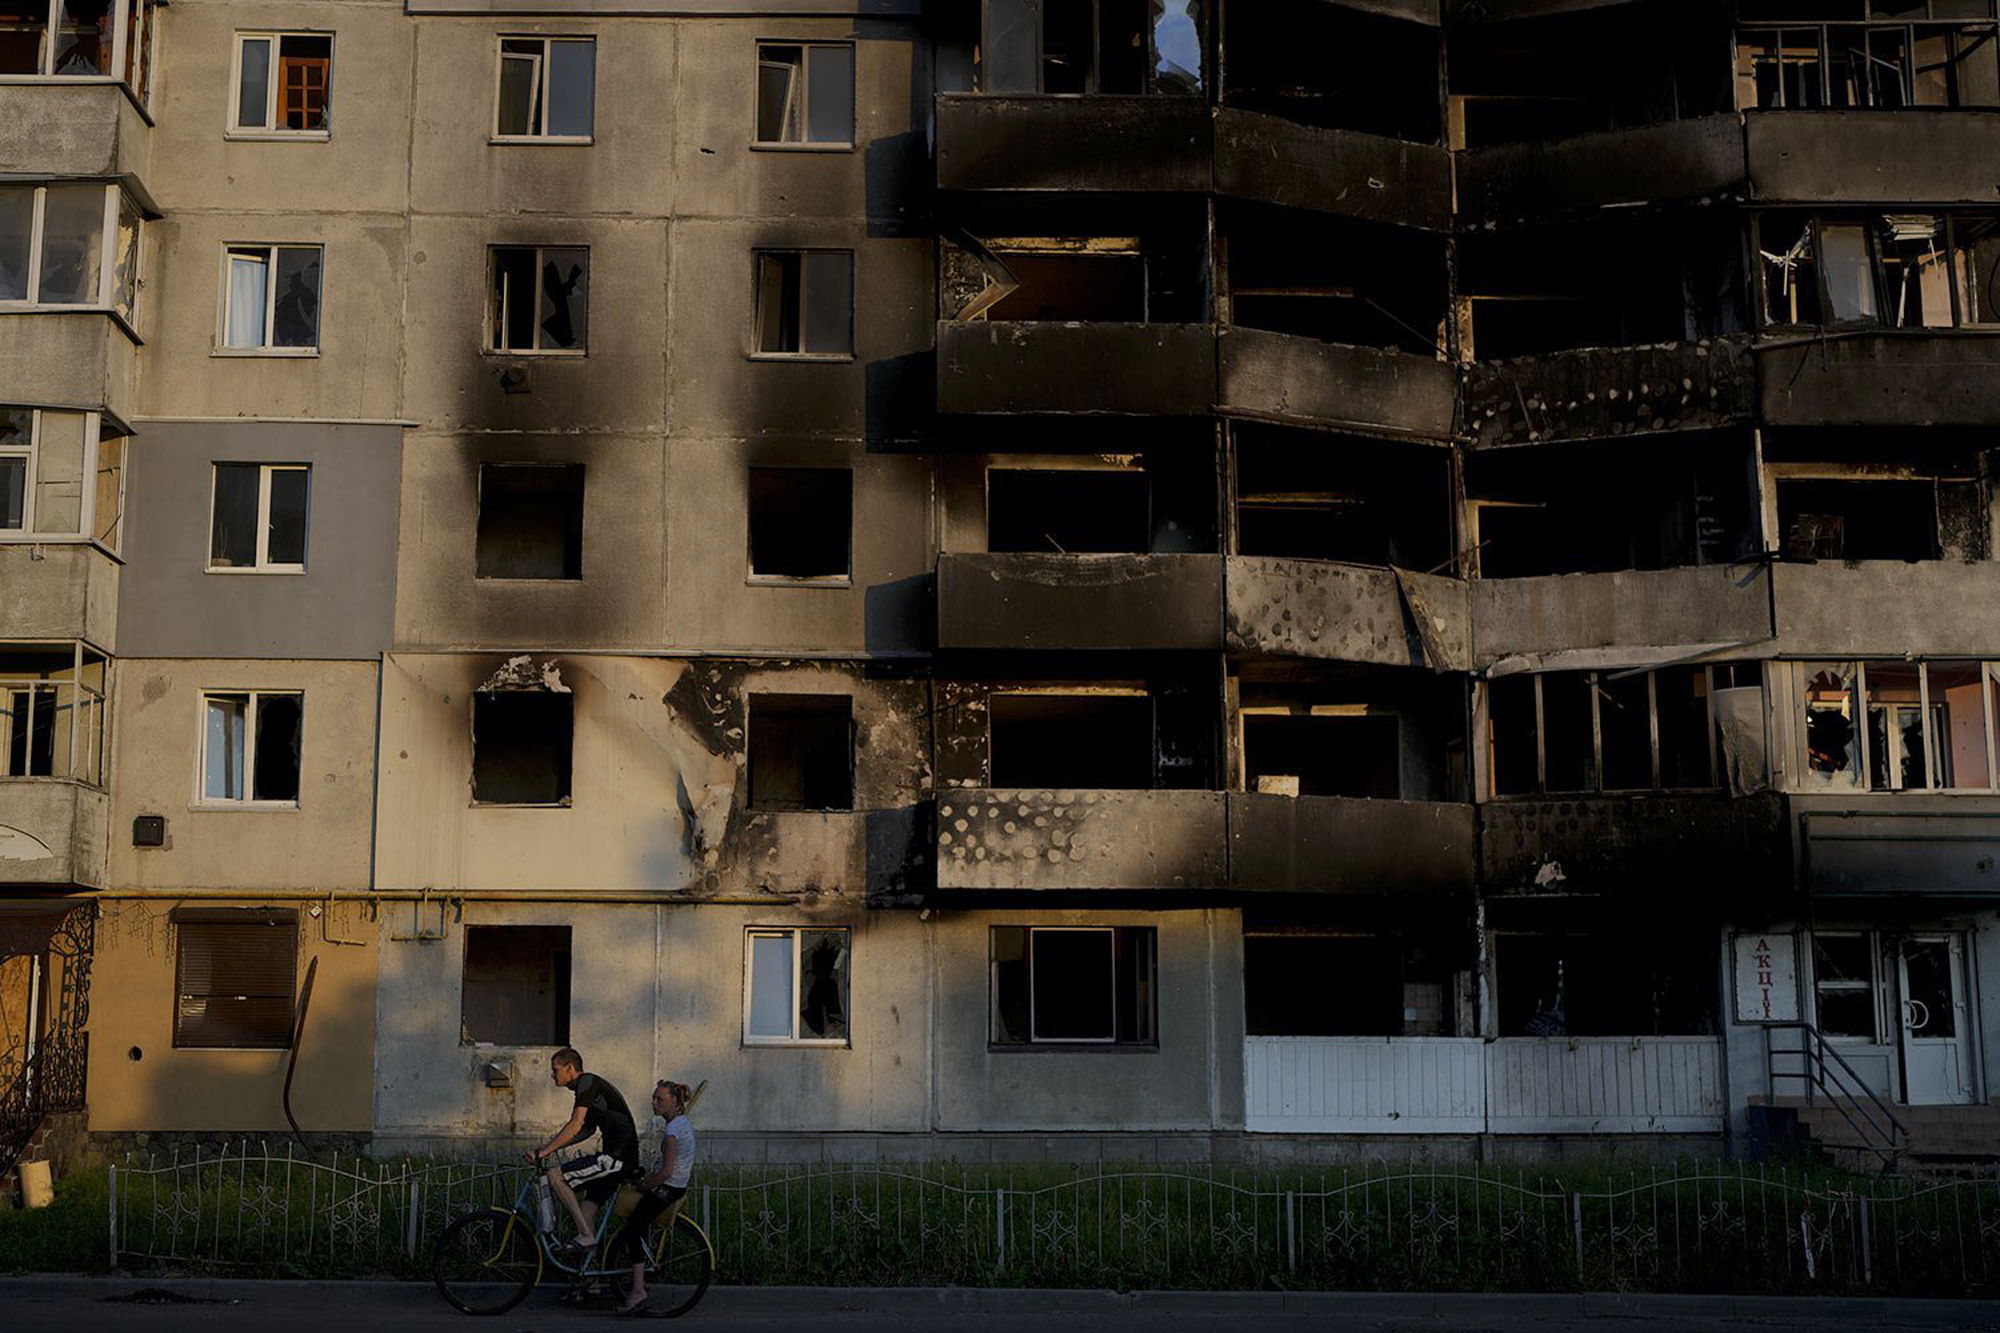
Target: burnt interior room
[
  {"x": 530, "y": 521},
  {"x": 1078, "y": 47},
  {"x": 1604, "y": 68},
  {"x": 801, "y": 752},
  {"x": 1333, "y": 66},
  {"x": 1575, "y": 972},
  {"x": 1600, "y": 506},
  {"x": 801, "y": 521},
  {"x": 1873, "y": 495},
  {"x": 1315, "y": 495},
  {"x": 1160, "y": 499},
  {"x": 1366, "y": 284},
  {"x": 1623, "y": 283},
  {"x": 1070, "y": 259},
  {"x": 1382, "y": 733},
  {"x": 1148, "y": 727},
  {"x": 521, "y": 746},
  {"x": 1373, "y": 972}
]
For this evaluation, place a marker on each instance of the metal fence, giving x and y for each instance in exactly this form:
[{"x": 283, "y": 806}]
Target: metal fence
[{"x": 1708, "y": 1227}]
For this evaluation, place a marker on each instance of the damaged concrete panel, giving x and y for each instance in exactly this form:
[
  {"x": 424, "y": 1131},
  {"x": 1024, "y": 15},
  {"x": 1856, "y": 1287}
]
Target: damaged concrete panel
[
  {"x": 1334, "y": 844},
  {"x": 1697, "y": 161},
  {"x": 1646, "y": 849},
  {"x": 1278, "y": 377},
  {"x": 1882, "y": 846},
  {"x": 80, "y": 359},
  {"x": 1674, "y": 609},
  {"x": 58, "y": 591},
  {"x": 1887, "y": 608},
  {"x": 1024, "y": 600},
  {"x": 1056, "y": 840},
  {"x": 1860, "y": 156},
  {"x": 1348, "y": 613},
  {"x": 1900, "y": 379},
  {"x": 1342, "y": 172},
  {"x": 53, "y": 834},
  {"x": 74, "y": 130},
  {"x": 1099, "y": 144},
  {"x": 1154, "y": 370},
  {"x": 1606, "y": 392}
]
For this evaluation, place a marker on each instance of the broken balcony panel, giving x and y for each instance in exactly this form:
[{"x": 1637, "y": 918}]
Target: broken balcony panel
[
  {"x": 1667, "y": 610},
  {"x": 1862, "y": 156},
  {"x": 1908, "y": 378},
  {"x": 1160, "y": 370},
  {"x": 1656, "y": 849},
  {"x": 1350, "y": 613},
  {"x": 1887, "y": 608},
  {"x": 1034, "y": 601},
  {"x": 1278, "y": 377},
  {"x": 1680, "y": 162},
  {"x": 1604, "y": 393}
]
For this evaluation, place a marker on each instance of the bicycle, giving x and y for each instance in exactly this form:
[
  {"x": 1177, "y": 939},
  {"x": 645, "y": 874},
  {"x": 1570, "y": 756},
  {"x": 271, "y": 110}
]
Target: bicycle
[{"x": 487, "y": 1261}]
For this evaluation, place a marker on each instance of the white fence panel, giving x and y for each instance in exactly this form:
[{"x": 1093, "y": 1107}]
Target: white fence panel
[
  {"x": 1364, "y": 1085},
  {"x": 1604, "y": 1085}
]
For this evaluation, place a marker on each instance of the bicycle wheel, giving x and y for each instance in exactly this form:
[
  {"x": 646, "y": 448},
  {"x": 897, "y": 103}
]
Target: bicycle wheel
[
  {"x": 485, "y": 1262},
  {"x": 680, "y": 1264}
]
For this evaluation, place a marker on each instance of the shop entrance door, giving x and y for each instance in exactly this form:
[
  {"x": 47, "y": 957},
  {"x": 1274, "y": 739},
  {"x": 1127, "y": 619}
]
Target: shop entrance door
[{"x": 1932, "y": 1013}]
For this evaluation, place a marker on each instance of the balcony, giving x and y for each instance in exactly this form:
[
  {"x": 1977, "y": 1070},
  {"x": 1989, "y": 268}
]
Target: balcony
[
  {"x": 1675, "y": 846},
  {"x": 1909, "y": 155},
  {"x": 77, "y": 359},
  {"x": 53, "y": 833},
  {"x": 1233, "y": 842},
  {"x": 1597, "y": 393},
  {"x": 1905, "y": 378},
  {"x": 1038, "y": 602},
  {"x": 1887, "y": 608},
  {"x": 1279, "y": 377},
  {"x": 73, "y": 130},
  {"x": 1666, "y": 612},
  {"x": 58, "y": 591},
  {"x": 1698, "y": 161},
  {"x": 1348, "y": 613}
]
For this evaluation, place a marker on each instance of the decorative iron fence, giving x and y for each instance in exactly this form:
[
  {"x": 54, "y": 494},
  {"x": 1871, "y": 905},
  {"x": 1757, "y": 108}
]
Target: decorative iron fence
[{"x": 1712, "y": 1227}]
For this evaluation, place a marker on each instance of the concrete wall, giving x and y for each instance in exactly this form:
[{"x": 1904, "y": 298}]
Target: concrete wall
[
  {"x": 59, "y": 590},
  {"x": 53, "y": 358},
  {"x": 52, "y": 833},
  {"x": 339, "y": 608},
  {"x": 77, "y": 129}
]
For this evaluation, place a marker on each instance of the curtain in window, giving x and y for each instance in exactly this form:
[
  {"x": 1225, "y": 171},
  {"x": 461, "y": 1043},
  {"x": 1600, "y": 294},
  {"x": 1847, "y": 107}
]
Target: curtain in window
[
  {"x": 249, "y": 279},
  {"x": 222, "y": 779}
]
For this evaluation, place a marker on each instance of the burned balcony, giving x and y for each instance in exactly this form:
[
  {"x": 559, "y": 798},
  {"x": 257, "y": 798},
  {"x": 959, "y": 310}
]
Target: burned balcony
[
  {"x": 1887, "y": 608},
  {"x": 1628, "y": 615},
  {"x": 1024, "y": 600},
  {"x": 1680, "y": 163},
  {"x": 1600, "y": 393},
  {"x": 1659, "y": 848},
  {"x": 1368, "y": 67},
  {"x": 1350, "y": 613}
]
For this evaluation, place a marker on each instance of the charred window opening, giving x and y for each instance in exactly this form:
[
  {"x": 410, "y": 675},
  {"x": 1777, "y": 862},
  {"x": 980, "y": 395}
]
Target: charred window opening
[
  {"x": 1095, "y": 285},
  {"x": 1062, "y": 984},
  {"x": 1341, "y": 282},
  {"x": 801, "y": 752},
  {"x": 1334, "y": 67},
  {"x": 1094, "y": 46},
  {"x": 1306, "y": 496},
  {"x": 1679, "y": 727},
  {"x": 1304, "y": 983},
  {"x": 540, "y": 299},
  {"x": 1858, "y": 520},
  {"x": 1116, "y": 265},
  {"x": 530, "y": 521},
  {"x": 801, "y": 520},
  {"x": 1070, "y": 510},
  {"x": 1335, "y": 751},
  {"x": 1888, "y": 270},
  {"x": 521, "y": 746},
  {"x": 1097, "y": 742},
  {"x": 516, "y": 986},
  {"x": 1929, "y": 725},
  {"x": 1609, "y": 983},
  {"x": 1880, "y": 64}
]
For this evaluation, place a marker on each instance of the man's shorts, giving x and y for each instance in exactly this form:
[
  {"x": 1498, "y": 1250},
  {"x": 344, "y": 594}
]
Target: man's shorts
[{"x": 596, "y": 1178}]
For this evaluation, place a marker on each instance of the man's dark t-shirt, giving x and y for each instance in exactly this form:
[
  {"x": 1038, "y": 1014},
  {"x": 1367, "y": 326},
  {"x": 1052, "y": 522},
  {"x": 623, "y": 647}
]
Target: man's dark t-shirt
[{"x": 605, "y": 1113}]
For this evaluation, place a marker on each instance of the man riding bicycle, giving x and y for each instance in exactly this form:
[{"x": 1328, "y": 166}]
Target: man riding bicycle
[{"x": 600, "y": 1110}]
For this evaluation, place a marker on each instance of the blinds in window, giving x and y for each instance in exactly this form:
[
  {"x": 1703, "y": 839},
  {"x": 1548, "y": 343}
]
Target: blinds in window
[{"x": 235, "y": 975}]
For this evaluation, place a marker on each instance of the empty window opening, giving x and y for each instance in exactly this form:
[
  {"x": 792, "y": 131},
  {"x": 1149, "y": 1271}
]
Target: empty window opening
[
  {"x": 1858, "y": 520},
  {"x": 1322, "y": 753},
  {"x": 530, "y": 521},
  {"x": 1100, "y": 281},
  {"x": 250, "y": 750},
  {"x": 796, "y": 987},
  {"x": 805, "y": 303},
  {"x": 521, "y": 746},
  {"x": 258, "y": 517},
  {"x": 1097, "y": 742},
  {"x": 805, "y": 93},
  {"x": 1074, "y": 984},
  {"x": 801, "y": 521},
  {"x": 270, "y": 298},
  {"x": 1881, "y": 65},
  {"x": 1068, "y": 510},
  {"x": 1846, "y": 984},
  {"x": 516, "y": 986},
  {"x": 547, "y": 89},
  {"x": 1334, "y": 67},
  {"x": 234, "y": 973},
  {"x": 78, "y": 39},
  {"x": 1357, "y": 283},
  {"x": 1094, "y": 46},
  {"x": 801, "y": 752},
  {"x": 541, "y": 299},
  {"x": 1893, "y": 270},
  {"x": 1693, "y": 728},
  {"x": 1362, "y": 503},
  {"x": 1604, "y": 984},
  {"x": 1305, "y": 984},
  {"x": 51, "y": 713},
  {"x": 284, "y": 83}
]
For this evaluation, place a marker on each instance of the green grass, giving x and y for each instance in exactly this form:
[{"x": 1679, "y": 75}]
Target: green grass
[{"x": 66, "y": 1237}]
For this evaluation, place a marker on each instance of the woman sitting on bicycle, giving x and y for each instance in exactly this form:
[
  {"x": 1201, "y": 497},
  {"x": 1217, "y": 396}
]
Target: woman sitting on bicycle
[{"x": 663, "y": 1189}]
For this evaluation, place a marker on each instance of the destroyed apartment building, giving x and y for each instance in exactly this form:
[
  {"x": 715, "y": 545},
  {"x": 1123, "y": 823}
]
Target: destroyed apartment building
[{"x": 1257, "y": 579}]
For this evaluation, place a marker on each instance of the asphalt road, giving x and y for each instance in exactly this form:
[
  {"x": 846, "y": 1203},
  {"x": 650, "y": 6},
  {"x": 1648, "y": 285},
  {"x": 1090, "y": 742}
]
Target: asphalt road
[{"x": 59, "y": 1305}]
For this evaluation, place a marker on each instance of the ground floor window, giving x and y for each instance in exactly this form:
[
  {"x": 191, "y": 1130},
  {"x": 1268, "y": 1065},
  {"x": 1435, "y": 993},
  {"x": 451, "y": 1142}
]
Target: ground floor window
[
  {"x": 1094, "y": 984},
  {"x": 1302, "y": 983},
  {"x": 516, "y": 986},
  {"x": 1605, "y": 983},
  {"x": 233, "y": 975}
]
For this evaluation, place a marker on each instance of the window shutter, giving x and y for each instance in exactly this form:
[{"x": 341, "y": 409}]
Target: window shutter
[{"x": 235, "y": 979}]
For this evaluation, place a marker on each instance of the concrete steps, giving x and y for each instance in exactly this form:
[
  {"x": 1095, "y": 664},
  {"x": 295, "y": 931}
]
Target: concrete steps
[{"x": 1942, "y": 1137}]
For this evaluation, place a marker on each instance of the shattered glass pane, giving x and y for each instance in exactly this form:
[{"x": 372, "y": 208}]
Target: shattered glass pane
[
  {"x": 823, "y": 984},
  {"x": 1177, "y": 46},
  {"x": 72, "y": 237},
  {"x": 295, "y": 305},
  {"x": 565, "y": 298},
  {"x": 1832, "y": 747}
]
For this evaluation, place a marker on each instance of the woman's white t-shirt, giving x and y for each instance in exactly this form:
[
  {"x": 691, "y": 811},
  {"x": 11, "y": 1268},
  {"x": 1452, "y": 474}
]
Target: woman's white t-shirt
[{"x": 681, "y": 1134}]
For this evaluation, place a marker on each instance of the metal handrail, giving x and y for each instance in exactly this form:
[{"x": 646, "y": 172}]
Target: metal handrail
[{"x": 1846, "y": 1095}]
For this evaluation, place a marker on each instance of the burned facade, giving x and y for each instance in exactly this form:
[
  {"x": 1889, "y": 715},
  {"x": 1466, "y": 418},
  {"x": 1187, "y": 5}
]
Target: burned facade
[{"x": 1235, "y": 578}]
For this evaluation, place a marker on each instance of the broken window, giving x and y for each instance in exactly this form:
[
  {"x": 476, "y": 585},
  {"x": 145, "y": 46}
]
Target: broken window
[
  {"x": 1845, "y": 984},
  {"x": 1897, "y": 270},
  {"x": 284, "y": 83},
  {"x": 1879, "y": 64},
  {"x": 521, "y": 746},
  {"x": 234, "y": 973},
  {"x": 795, "y": 987},
  {"x": 1099, "y": 280},
  {"x": 76, "y": 39},
  {"x": 34, "y": 725},
  {"x": 800, "y": 522},
  {"x": 1960, "y": 741},
  {"x": 548, "y": 88},
  {"x": 530, "y": 521},
  {"x": 1975, "y": 259},
  {"x": 541, "y": 299},
  {"x": 270, "y": 299},
  {"x": 1330, "y": 750},
  {"x": 250, "y": 746},
  {"x": 258, "y": 517},
  {"x": 52, "y": 240},
  {"x": 1625, "y": 721},
  {"x": 1514, "y": 730},
  {"x": 805, "y": 93},
  {"x": 801, "y": 752},
  {"x": 805, "y": 303},
  {"x": 1871, "y": 519},
  {"x": 1093, "y": 46},
  {"x": 1898, "y": 756},
  {"x": 516, "y": 986},
  {"x": 1082, "y": 984},
  {"x": 60, "y": 476},
  {"x": 1929, "y": 726},
  {"x": 51, "y": 713},
  {"x": 1605, "y": 984},
  {"x": 1305, "y": 983},
  {"x": 1833, "y": 746},
  {"x": 1362, "y": 284},
  {"x": 1363, "y": 503},
  {"x": 1625, "y": 730},
  {"x": 1333, "y": 66},
  {"x": 1068, "y": 510},
  {"x": 1094, "y": 741}
]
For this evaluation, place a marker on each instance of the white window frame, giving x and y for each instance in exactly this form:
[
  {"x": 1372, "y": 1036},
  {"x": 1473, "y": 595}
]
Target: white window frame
[
  {"x": 543, "y": 69},
  {"x": 1863, "y": 707},
  {"x": 1873, "y": 985},
  {"x": 1035, "y": 1038},
  {"x": 270, "y": 249},
  {"x": 93, "y": 426},
  {"x": 271, "y": 129},
  {"x": 496, "y": 319},
  {"x": 751, "y": 935},
  {"x": 757, "y": 256},
  {"x": 107, "y": 255},
  {"x": 264, "y": 565},
  {"x": 202, "y": 800},
  {"x": 802, "y": 97},
  {"x": 121, "y": 26}
]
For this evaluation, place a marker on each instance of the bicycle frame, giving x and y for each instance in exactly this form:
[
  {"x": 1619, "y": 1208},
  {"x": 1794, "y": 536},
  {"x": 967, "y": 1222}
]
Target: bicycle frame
[{"x": 523, "y": 1212}]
